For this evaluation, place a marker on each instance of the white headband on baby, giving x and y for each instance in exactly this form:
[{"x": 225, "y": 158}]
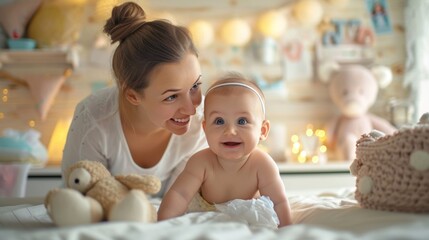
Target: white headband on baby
[{"x": 240, "y": 85}]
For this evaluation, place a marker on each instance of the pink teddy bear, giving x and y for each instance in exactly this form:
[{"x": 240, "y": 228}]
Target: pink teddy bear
[{"x": 353, "y": 89}]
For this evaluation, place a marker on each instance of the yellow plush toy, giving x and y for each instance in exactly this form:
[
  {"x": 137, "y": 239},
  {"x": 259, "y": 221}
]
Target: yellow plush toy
[
  {"x": 57, "y": 23},
  {"x": 92, "y": 195}
]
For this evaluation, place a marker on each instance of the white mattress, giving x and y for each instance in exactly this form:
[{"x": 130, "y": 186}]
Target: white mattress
[{"x": 323, "y": 216}]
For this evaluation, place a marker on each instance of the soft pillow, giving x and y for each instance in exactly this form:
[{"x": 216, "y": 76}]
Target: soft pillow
[{"x": 14, "y": 16}]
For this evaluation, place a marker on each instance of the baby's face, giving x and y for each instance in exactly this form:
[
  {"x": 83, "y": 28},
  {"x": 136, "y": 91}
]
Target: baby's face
[{"x": 233, "y": 122}]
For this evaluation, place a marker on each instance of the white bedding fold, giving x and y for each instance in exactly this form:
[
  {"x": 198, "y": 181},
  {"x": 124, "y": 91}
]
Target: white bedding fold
[{"x": 328, "y": 216}]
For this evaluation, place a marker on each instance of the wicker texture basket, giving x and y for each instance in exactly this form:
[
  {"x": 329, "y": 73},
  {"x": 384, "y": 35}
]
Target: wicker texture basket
[{"x": 392, "y": 171}]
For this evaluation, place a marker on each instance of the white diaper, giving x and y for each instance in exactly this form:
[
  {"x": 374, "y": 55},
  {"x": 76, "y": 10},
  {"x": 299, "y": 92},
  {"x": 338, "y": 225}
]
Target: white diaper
[{"x": 256, "y": 212}]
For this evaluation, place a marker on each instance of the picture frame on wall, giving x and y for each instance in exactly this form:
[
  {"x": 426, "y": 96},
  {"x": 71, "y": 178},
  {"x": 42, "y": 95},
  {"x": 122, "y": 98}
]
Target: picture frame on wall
[{"x": 380, "y": 18}]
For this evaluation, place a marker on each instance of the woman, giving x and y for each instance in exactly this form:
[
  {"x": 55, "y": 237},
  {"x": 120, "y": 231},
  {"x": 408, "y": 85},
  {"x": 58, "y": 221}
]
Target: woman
[{"x": 149, "y": 123}]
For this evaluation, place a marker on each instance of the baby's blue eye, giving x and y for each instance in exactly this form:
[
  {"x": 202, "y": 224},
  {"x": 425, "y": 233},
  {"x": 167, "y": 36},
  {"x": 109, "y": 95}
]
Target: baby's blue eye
[
  {"x": 219, "y": 121},
  {"x": 242, "y": 121}
]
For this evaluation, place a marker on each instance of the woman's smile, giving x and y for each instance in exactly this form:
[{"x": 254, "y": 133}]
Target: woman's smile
[{"x": 180, "y": 121}]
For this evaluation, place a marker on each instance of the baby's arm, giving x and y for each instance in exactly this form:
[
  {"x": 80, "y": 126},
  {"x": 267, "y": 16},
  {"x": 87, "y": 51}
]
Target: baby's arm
[
  {"x": 187, "y": 184},
  {"x": 271, "y": 185}
]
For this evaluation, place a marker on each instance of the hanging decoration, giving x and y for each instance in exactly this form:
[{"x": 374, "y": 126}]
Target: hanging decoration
[
  {"x": 265, "y": 50},
  {"x": 202, "y": 33},
  {"x": 379, "y": 16},
  {"x": 293, "y": 50},
  {"x": 236, "y": 32},
  {"x": 308, "y": 12},
  {"x": 43, "y": 87},
  {"x": 48, "y": 72},
  {"x": 272, "y": 24}
]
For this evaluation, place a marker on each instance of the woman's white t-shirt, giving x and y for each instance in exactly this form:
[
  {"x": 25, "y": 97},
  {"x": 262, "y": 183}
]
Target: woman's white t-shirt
[{"x": 96, "y": 134}]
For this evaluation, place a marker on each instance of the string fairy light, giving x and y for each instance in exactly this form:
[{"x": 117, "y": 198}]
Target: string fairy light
[{"x": 309, "y": 147}]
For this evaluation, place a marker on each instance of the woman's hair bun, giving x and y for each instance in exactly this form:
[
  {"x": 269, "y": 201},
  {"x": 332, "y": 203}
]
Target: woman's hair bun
[{"x": 125, "y": 20}]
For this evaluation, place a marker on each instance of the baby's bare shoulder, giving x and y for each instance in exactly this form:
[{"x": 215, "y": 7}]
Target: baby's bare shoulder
[
  {"x": 201, "y": 158},
  {"x": 262, "y": 157},
  {"x": 262, "y": 160}
]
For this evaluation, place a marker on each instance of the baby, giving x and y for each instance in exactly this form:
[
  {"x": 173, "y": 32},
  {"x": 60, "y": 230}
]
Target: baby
[{"x": 232, "y": 167}]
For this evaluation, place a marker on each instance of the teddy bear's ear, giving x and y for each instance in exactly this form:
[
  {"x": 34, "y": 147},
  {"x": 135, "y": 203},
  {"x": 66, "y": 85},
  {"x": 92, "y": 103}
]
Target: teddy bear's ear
[
  {"x": 383, "y": 75},
  {"x": 326, "y": 69}
]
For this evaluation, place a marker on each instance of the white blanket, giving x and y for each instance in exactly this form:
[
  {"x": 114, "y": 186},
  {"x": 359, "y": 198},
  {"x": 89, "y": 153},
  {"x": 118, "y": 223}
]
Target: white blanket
[{"x": 326, "y": 216}]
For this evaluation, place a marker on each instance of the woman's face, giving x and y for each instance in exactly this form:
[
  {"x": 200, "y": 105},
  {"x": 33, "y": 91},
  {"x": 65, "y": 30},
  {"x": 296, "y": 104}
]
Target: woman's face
[
  {"x": 173, "y": 94},
  {"x": 234, "y": 123}
]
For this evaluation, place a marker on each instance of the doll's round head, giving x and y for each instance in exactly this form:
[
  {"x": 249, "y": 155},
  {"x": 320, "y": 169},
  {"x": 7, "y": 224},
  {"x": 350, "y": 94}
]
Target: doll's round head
[
  {"x": 82, "y": 175},
  {"x": 353, "y": 88}
]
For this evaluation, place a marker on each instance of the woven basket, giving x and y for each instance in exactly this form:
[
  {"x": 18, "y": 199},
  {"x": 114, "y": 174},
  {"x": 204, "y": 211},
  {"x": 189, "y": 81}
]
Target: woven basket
[{"x": 392, "y": 171}]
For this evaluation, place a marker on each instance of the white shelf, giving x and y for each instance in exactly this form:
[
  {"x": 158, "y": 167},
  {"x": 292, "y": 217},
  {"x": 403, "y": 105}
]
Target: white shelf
[
  {"x": 310, "y": 179},
  {"x": 47, "y": 171},
  {"x": 38, "y": 58},
  {"x": 42, "y": 179},
  {"x": 328, "y": 168},
  {"x": 340, "y": 167},
  {"x": 298, "y": 178}
]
